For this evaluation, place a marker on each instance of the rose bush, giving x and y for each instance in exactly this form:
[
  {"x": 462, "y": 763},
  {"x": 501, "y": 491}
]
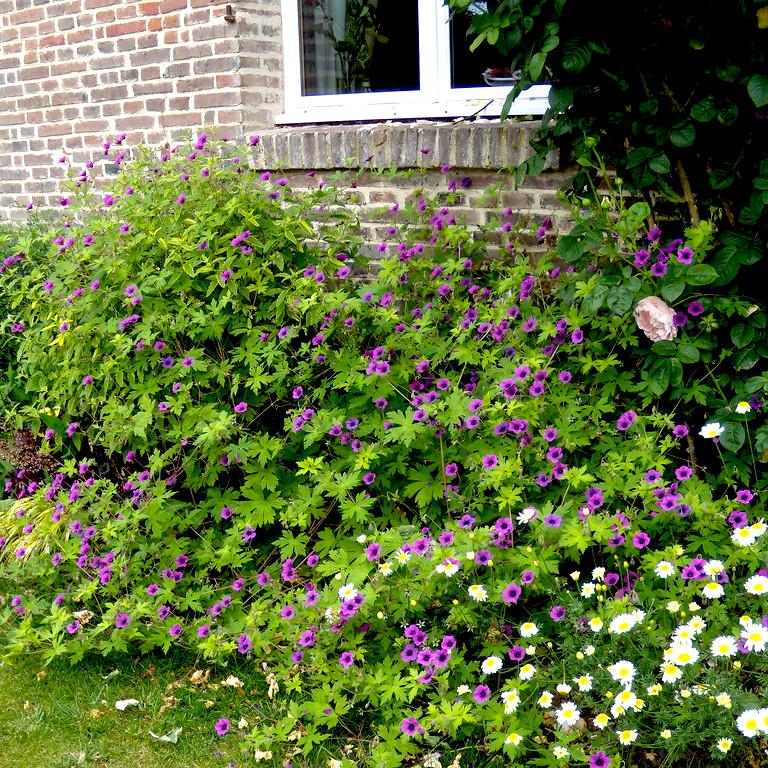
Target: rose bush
[{"x": 435, "y": 508}]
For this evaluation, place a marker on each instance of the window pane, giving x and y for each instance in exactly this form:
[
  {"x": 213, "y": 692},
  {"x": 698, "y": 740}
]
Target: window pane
[
  {"x": 353, "y": 46},
  {"x": 485, "y": 66}
]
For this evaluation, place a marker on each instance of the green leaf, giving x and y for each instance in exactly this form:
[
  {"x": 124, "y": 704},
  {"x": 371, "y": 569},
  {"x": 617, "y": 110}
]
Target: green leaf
[
  {"x": 619, "y": 300},
  {"x": 576, "y": 56},
  {"x": 659, "y": 377},
  {"x": 560, "y": 99},
  {"x": 733, "y": 436},
  {"x": 536, "y": 65},
  {"x": 700, "y": 274},
  {"x": 703, "y": 111},
  {"x": 665, "y": 348},
  {"x": 659, "y": 164},
  {"x": 687, "y": 353},
  {"x": 757, "y": 88},
  {"x": 671, "y": 291},
  {"x": 742, "y": 334},
  {"x": 683, "y": 137},
  {"x": 746, "y": 359}
]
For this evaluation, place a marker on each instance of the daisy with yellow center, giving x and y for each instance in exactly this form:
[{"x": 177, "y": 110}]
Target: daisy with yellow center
[{"x": 627, "y": 737}]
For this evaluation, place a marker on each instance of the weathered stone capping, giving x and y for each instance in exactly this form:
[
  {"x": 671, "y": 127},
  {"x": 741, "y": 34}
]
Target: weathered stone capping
[{"x": 483, "y": 144}]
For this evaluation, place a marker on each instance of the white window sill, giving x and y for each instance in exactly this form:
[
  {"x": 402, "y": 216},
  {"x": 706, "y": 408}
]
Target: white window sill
[{"x": 477, "y": 102}]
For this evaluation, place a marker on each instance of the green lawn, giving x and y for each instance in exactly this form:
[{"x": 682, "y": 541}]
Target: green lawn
[{"x": 65, "y": 716}]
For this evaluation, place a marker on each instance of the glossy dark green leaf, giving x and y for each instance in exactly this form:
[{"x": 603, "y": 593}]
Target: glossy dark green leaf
[
  {"x": 733, "y": 436},
  {"x": 742, "y": 334},
  {"x": 757, "y": 88}
]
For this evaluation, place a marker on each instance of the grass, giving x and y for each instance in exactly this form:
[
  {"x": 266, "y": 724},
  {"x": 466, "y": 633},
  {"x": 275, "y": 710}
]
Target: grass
[{"x": 62, "y": 716}]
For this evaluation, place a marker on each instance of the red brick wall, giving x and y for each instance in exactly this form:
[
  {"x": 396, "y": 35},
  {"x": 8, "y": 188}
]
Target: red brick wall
[{"x": 75, "y": 72}]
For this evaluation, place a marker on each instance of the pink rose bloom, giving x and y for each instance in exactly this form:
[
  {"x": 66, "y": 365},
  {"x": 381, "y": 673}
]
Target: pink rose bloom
[{"x": 654, "y": 319}]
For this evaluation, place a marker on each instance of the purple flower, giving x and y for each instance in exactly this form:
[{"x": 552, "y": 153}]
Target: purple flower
[
  {"x": 451, "y": 470},
  {"x": 490, "y": 461},
  {"x": 599, "y": 760},
  {"x": 244, "y": 644},
  {"x": 481, "y": 694},
  {"x": 557, "y": 613},
  {"x": 188, "y": 362},
  {"x": 626, "y": 420},
  {"x": 695, "y": 308},
  {"x": 410, "y": 726},
  {"x": 373, "y": 551},
  {"x": 347, "y": 659},
  {"x": 511, "y": 593},
  {"x": 241, "y": 407},
  {"x": 72, "y": 428},
  {"x": 122, "y": 620},
  {"x": 222, "y": 726},
  {"x": 641, "y": 540},
  {"x": 175, "y": 630},
  {"x": 744, "y": 496},
  {"x": 553, "y": 521},
  {"x": 527, "y": 577}
]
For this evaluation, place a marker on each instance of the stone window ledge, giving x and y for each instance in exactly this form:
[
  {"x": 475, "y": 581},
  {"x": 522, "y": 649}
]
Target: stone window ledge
[{"x": 490, "y": 145}]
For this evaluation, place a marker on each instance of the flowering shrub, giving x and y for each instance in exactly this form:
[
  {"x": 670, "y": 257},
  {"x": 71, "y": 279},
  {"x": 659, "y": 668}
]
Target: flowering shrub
[{"x": 430, "y": 507}]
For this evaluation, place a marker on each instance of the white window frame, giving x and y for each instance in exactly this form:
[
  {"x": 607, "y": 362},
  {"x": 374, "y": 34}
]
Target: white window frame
[{"x": 435, "y": 97}]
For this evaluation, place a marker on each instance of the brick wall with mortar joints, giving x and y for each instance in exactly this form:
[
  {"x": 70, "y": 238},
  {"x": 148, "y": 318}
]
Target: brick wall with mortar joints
[{"x": 74, "y": 72}]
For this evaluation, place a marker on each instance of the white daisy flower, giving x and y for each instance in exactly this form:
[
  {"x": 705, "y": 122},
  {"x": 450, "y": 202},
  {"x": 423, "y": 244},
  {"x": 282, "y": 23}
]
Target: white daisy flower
[
  {"x": 563, "y": 689},
  {"x": 560, "y": 752},
  {"x": 588, "y": 589},
  {"x": 748, "y": 723},
  {"x": 527, "y": 671},
  {"x": 755, "y": 637},
  {"x": 596, "y": 624},
  {"x": 584, "y": 682},
  {"x": 683, "y": 655},
  {"x": 712, "y": 590},
  {"x": 491, "y": 664},
  {"x": 670, "y": 673},
  {"x": 567, "y": 713},
  {"x": 545, "y": 700},
  {"x": 627, "y": 736},
  {"x": 712, "y": 429},
  {"x": 756, "y": 585},
  {"x": 598, "y": 574},
  {"x": 511, "y": 700},
  {"x": 601, "y": 721},
  {"x": 528, "y": 514},
  {"x": 724, "y": 744},
  {"x": 743, "y": 407},
  {"x": 744, "y": 537},
  {"x": 714, "y": 567},
  {"x": 385, "y": 569},
  {"x": 348, "y": 592},
  {"x": 514, "y": 739},
  {"x": 723, "y": 647},
  {"x": 622, "y": 672},
  {"x": 477, "y": 592},
  {"x": 528, "y": 629},
  {"x": 664, "y": 569},
  {"x": 622, "y": 623}
]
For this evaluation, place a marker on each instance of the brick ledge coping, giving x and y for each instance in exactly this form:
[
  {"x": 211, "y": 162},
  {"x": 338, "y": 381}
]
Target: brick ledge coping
[{"x": 487, "y": 144}]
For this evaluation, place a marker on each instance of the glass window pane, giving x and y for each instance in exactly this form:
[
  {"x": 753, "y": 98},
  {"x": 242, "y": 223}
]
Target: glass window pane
[
  {"x": 485, "y": 66},
  {"x": 354, "y": 46}
]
